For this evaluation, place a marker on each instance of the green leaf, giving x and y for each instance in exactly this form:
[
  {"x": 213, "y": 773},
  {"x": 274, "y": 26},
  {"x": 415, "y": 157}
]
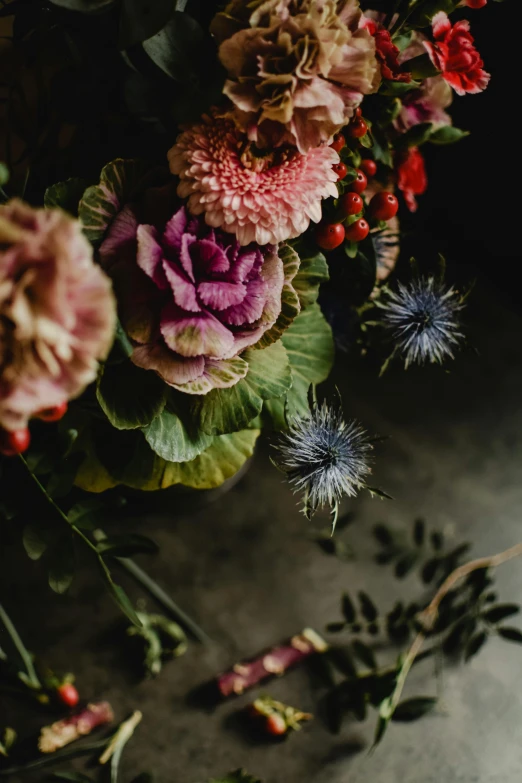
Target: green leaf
[
  {"x": 126, "y": 545},
  {"x": 335, "y": 627},
  {"x": 239, "y": 776},
  {"x": 396, "y": 89},
  {"x": 4, "y": 174},
  {"x": 175, "y": 47},
  {"x": 500, "y": 612},
  {"x": 368, "y": 608},
  {"x": 417, "y": 135},
  {"x": 66, "y": 195},
  {"x": 61, "y": 568},
  {"x": 310, "y": 349},
  {"x": 420, "y": 67},
  {"x": 475, "y": 644},
  {"x": 34, "y": 543},
  {"x": 129, "y": 396},
  {"x": 511, "y": 634},
  {"x": 364, "y": 654},
  {"x": 313, "y": 271},
  {"x": 448, "y": 135},
  {"x": 402, "y": 40},
  {"x": 348, "y": 608},
  {"x": 87, "y": 514},
  {"x": 413, "y": 709},
  {"x": 141, "y": 19},
  {"x": 169, "y": 437},
  {"x": 121, "y": 597},
  {"x": 230, "y": 410},
  {"x": 101, "y": 203}
]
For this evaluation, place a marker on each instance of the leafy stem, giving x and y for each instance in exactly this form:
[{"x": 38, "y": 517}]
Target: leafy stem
[
  {"x": 428, "y": 617},
  {"x": 25, "y": 655}
]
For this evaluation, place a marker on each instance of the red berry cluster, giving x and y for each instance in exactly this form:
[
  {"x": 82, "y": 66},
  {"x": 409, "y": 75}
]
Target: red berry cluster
[
  {"x": 383, "y": 205},
  {"x": 13, "y": 442}
]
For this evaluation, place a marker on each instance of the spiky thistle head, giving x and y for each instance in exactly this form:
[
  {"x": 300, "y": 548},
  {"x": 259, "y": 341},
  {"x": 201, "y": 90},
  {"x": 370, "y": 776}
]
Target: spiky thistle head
[
  {"x": 324, "y": 457},
  {"x": 423, "y": 318}
]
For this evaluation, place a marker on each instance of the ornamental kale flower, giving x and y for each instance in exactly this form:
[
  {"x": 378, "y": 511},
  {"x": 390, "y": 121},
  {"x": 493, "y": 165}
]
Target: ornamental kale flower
[
  {"x": 57, "y": 312},
  {"x": 324, "y": 457},
  {"x": 258, "y": 196},
  {"x": 299, "y": 69},
  {"x": 191, "y": 297},
  {"x": 423, "y": 320}
]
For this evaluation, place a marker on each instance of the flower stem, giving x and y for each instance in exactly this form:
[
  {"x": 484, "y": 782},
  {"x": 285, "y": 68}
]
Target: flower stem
[{"x": 24, "y": 654}]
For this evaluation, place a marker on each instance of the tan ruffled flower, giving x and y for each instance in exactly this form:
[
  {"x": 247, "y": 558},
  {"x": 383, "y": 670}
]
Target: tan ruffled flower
[
  {"x": 299, "y": 69},
  {"x": 57, "y": 311}
]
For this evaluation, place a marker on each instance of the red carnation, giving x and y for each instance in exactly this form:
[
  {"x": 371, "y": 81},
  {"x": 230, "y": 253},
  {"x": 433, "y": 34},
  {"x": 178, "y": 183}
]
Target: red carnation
[
  {"x": 454, "y": 53},
  {"x": 411, "y": 177},
  {"x": 386, "y": 52}
]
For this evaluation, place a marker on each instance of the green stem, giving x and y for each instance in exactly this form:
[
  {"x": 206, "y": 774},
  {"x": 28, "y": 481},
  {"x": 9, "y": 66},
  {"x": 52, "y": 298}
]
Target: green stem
[
  {"x": 54, "y": 758},
  {"x": 24, "y": 654},
  {"x": 164, "y": 599}
]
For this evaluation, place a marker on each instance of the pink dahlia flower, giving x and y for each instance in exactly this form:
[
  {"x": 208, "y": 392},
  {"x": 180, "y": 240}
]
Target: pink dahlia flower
[
  {"x": 453, "y": 52},
  {"x": 299, "y": 71},
  {"x": 191, "y": 297},
  {"x": 57, "y": 311},
  {"x": 263, "y": 198}
]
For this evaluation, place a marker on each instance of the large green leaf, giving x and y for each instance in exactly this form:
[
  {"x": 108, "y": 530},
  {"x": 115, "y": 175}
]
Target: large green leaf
[
  {"x": 312, "y": 272},
  {"x": 290, "y": 306},
  {"x": 66, "y": 195},
  {"x": 141, "y": 19},
  {"x": 229, "y": 410},
  {"x": 143, "y": 469},
  {"x": 129, "y": 396},
  {"x": 175, "y": 48},
  {"x": 100, "y": 203},
  {"x": 310, "y": 348},
  {"x": 168, "y": 437}
]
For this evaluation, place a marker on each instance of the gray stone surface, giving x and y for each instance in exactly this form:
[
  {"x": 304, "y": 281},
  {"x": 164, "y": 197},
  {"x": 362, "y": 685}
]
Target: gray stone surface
[{"x": 246, "y": 568}]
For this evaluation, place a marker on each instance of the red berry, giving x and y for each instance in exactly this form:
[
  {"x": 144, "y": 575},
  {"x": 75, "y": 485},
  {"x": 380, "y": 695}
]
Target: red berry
[
  {"x": 358, "y": 112},
  {"x": 53, "y": 414},
  {"x": 15, "y": 442},
  {"x": 357, "y": 128},
  {"x": 338, "y": 142},
  {"x": 358, "y": 231},
  {"x": 369, "y": 167},
  {"x": 329, "y": 235},
  {"x": 476, "y": 3},
  {"x": 276, "y": 725},
  {"x": 68, "y": 694},
  {"x": 383, "y": 206},
  {"x": 351, "y": 203},
  {"x": 360, "y": 183},
  {"x": 340, "y": 169}
]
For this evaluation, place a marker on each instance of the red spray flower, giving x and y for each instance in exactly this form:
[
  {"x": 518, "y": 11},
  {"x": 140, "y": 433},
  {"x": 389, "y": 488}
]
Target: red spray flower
[
  {"x": 386, "y": 52},
  {"x": 454, "y": 53},
  {"x": 411, "y": 177}
]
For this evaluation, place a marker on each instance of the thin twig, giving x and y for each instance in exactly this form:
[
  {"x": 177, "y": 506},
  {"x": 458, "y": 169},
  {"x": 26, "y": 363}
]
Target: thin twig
[{"x": 428, "y": 616}]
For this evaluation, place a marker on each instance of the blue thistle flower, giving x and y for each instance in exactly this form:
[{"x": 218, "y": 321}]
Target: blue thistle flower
[
  {"x": 423, "y": 320},
  {"x": 324, "y": 457}
]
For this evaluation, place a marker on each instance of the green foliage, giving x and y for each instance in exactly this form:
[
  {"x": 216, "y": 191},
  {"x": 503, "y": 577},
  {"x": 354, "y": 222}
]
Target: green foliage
[
  {"x": 119, "y": 181},
  {"x": 313, "y": 271},
  {"x": 4, "y": 174},
  {"x": 171, "y": 440},
  {"x": 66, "y": 195},
  {"x": 413, "y": 709},
  {"x": 129, "y": 396},
  {"x": 141, "y": 19},
  {"x": 229, "y": 410},
  {"x": 162, "y": 639},
  {"x": 447, "y": 135}
]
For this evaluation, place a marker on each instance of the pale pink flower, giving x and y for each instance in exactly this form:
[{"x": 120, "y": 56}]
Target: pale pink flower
[
  {"x": 263, "y": 198},
  {"x": 57, "y": 311},
  {"x": 299, "y": 71}
]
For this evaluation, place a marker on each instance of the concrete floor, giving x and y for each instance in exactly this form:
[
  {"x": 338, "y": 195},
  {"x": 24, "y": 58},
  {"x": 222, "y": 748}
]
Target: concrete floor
[{"x": 246, "y": 568}]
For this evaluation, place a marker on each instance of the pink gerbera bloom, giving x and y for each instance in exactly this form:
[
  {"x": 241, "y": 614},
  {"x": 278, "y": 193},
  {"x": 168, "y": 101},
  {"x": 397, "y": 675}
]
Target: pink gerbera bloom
[
  {"x": 260, "y": 197},
  {"x": 454, "y": 53}
]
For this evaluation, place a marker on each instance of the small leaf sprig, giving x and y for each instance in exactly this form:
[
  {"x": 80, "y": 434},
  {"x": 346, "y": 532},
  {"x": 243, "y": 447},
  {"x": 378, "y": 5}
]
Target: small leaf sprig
[{"x": 461, "y": 613}]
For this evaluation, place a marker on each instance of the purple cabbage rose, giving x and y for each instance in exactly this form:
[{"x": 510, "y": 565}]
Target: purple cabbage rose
[{"x": 191, "y": 297}]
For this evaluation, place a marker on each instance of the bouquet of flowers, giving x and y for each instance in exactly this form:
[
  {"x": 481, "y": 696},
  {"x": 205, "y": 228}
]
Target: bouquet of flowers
[{"x": 166, "y": 310}]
